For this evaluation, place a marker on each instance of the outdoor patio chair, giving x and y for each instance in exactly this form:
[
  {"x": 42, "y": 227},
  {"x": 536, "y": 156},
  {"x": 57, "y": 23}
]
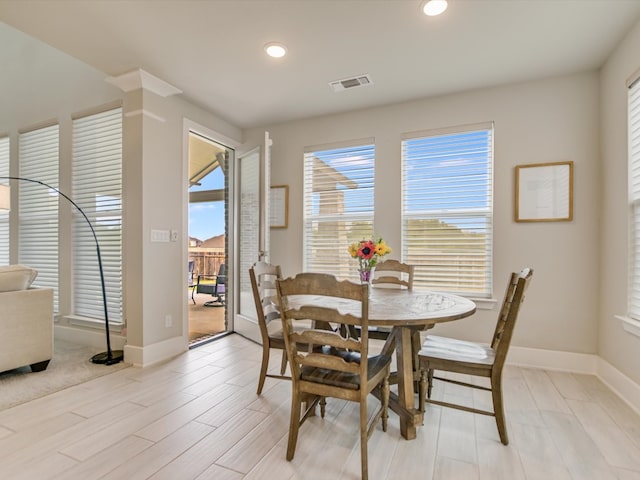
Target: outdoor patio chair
[{"x": 217, "y": 289}]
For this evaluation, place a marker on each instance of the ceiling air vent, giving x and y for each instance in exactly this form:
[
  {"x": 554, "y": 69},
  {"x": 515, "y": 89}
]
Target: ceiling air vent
[{"x": 347, "y": 83}]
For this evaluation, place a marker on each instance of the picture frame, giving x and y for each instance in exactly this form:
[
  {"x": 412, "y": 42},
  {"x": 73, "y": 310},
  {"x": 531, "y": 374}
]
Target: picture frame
[
  {"x": 279, "y": 206},
  {"x": 544, "y": 192}
]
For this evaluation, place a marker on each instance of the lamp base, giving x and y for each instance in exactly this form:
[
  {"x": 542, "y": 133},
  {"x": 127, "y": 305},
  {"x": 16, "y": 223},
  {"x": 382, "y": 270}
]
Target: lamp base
[{"x": 104, "y": 359}]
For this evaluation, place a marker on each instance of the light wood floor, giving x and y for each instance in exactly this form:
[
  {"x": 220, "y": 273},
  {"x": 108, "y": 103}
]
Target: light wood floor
[{"x": 198, "y": 416}]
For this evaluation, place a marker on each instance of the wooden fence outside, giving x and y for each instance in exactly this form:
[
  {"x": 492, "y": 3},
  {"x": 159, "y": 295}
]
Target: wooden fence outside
[{"x": 207, "y": 261}]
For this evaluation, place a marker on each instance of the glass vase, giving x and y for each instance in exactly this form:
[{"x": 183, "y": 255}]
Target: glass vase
[{"x": 366, "y": 276}]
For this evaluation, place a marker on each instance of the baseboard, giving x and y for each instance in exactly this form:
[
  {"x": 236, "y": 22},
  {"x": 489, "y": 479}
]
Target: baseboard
[
  {"x": 623, "y": 386},
  {"x": 158, "y": 352},
  {"x": 553, "y": 360},
  {"x": 584, "y": 363},
  {"x": 92, "y": 338},
  {"x": 137, "y": 356}
]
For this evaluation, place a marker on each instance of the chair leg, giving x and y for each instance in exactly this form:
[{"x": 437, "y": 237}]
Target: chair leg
[
  {"x": 263, "y": 368},
  {"x": 283, "y": 364},
  {"x": 422, "y": 390},
  {"x": 430, "y": 381},
  {"x": 294, "y": 424},
  {"x": 309, "y": 401},
  {"x": 415, "y": 348},
  {"x": 364, "y": 437},
  {"x": 385, "y": 403},
  {"x": 323, "y": 406},
  {"x": 498, "y": 408}
]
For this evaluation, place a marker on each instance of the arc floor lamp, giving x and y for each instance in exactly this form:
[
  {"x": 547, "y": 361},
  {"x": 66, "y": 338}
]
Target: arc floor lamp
[{"x": 110, "y": 357}]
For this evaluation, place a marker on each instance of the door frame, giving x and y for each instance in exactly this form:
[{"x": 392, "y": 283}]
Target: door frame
[{"x": 232, "y": 145}]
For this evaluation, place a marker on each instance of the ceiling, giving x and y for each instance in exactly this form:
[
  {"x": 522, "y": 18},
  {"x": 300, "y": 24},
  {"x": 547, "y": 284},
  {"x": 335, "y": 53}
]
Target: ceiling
[
  {"x": 204, "y": 157},
  {"x": 212, "y": 49}
]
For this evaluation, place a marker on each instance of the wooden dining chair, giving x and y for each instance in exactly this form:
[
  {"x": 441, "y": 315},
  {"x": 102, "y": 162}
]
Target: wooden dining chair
[
  {"x": 263, "y": 284},
  {"x": 391, "y": 274},
  {"x": 477, "y": 359},
  {"x": 333, "y": 367},
  {"x": 394, "y": 274}
]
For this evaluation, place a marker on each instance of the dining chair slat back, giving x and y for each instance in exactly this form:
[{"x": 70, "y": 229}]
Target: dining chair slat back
[
  {"x": 263, "y": 278},
  {"x": 330, "y": 365},
  {"x": 477, "y": 359},
  {"x": 393, "y": 274}
]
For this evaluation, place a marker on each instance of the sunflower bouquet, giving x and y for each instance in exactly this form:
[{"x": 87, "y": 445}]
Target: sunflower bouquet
[{"x": 368, "y": 252}]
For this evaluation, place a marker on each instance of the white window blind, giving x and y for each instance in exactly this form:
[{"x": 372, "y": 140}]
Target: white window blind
[
  {"x": 338, "y": 206},
  {"x": 38, "y": 207},
  {"x": 634, "y": 199},
  {"x": 4, "y": 214},
  {"x": 447, "y": 209},
  {"x": 97, "y": 189}
]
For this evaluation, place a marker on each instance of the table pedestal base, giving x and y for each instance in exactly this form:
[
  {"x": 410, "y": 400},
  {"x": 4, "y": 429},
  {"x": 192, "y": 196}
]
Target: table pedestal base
[{"x": 405, "y": 341}]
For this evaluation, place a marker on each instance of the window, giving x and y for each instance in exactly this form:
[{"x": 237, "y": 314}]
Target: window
[
  {"x": 447, "y": 209},
  {"x": 634, "y": 199},
  {"x": 97, "y": 189},
  {"x": 338, "y": 205},
  {"x": 4, "y": 215},
  {"x": 38, "y": 225}
]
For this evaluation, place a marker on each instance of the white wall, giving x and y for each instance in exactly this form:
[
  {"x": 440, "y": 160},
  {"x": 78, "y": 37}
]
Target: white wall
[
  {"x": 40, "y": 83},
  {"x": 543, "y": 121},
  {"x": 616, "y": 346},
  {"x": 155, "y": 195}
]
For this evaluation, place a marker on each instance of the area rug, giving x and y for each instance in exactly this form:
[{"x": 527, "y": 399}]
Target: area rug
[{"x": 70, "y": 365}]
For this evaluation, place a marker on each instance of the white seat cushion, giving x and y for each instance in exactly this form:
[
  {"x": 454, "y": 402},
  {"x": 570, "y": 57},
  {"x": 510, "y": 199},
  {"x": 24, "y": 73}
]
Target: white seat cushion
[{"x": 451, "y": 348}]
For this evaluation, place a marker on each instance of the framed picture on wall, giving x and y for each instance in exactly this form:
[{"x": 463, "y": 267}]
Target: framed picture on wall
[
  {"x": 279, "y": 206},
  {"x": 544, "y": 192}
]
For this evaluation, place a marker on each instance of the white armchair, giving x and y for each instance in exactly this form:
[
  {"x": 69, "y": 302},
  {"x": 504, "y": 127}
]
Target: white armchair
[{"x": 26, "y": 320}]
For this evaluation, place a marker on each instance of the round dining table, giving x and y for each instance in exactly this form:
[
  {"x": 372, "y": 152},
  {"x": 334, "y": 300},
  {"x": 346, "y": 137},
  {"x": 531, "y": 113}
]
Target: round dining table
[{"x": 406, "y": 313}]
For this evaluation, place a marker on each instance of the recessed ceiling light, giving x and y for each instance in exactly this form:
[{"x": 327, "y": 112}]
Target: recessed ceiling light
[
  {"x": 434, "y": 7},
  {"x": 275, "y": 50}
]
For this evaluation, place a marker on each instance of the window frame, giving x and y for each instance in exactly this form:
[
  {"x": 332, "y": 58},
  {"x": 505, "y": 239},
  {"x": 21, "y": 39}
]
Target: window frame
[
  {"x": 351, "y": 226},
  {"x": 477, "y": 282},
  {"x": 633, "y": 145}
]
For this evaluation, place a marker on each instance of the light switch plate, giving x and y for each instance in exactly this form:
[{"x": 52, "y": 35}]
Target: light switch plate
[{"x": 159, "y": 235}]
